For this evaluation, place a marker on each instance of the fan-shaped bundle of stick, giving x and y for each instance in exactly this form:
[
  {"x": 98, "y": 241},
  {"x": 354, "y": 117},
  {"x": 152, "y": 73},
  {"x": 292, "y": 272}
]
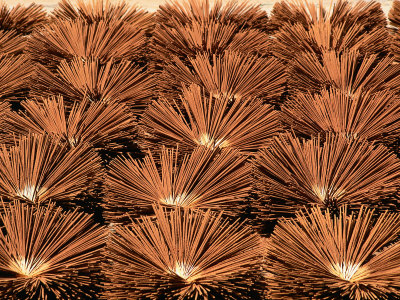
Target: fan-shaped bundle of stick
[
  {"x": 132, "y": 18},
  {"x": 99, "y": 124},
  {"x": 185, "y": 29},
  {"x": 183, "y": 254},
  {"x": 242, "y": 14},
  {"x": 46, "y": 253},
  {"x": 39, "y": 168},
  {"x": 185, "y": 41},
  {"x": 22, "y": 19},
  {"x": 94, "y": 11},
  {"x": 16, "y": 24},
  {"x": 231, "y": 73},
  {"x": 369, "y": 13},
  {"x": 291, "y": 174},
  {"x": 65, "y": 39},
  {"x": 208, "y": 179},
  {"x": 344, "y": 256},
  {"x": 373, "y": 116},
  {"x": 123, "y": 82},
  {"x": 212, "y": 121},
  {"x": 348, "y": 71},
  {"x": 304, "y": 26}
]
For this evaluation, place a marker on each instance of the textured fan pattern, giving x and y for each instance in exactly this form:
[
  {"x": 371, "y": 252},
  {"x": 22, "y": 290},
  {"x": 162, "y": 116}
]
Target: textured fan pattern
[{"x": 207, "y": 150}]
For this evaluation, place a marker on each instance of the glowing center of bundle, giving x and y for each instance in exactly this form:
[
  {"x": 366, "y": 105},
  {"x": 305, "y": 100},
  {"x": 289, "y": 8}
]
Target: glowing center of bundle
[
  {"x": 346, "y": 271},
  {"x": 28, "y": 268},
  {"x": 325, "y": 195},
  {"x": 320, "y": 192},
  {"x": 183, "y": 270},
  {"x": 73, "y": 141},
  {"x": 177, "y": 200},
  {"x": 29, "y": 192},
  {"x": 210, "y": 142}
]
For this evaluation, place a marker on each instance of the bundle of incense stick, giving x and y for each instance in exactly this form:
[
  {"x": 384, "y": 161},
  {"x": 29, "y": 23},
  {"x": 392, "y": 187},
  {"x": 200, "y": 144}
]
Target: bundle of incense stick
[{"x": 207, "y": 150}]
